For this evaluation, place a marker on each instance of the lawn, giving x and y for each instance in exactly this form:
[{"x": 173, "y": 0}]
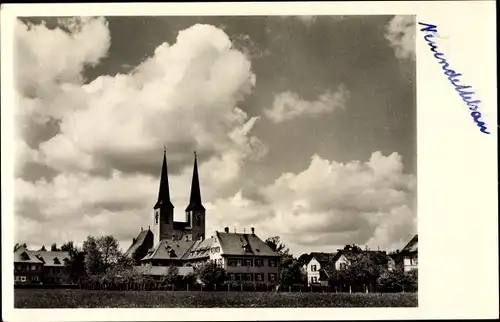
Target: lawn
[{"x": 75, "y": 298}]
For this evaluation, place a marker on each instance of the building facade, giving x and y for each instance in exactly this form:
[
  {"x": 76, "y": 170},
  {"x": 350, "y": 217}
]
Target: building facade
[
  {"x": 409, "y": 254},
  {"x": 39, "y": 266},
  {"x": 244, "y": 256}
]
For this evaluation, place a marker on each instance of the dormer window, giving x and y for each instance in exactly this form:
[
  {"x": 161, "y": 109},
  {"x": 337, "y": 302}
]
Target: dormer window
[
  {"x": 25, "y": 256},
  {"x": 56, "y": 261}
]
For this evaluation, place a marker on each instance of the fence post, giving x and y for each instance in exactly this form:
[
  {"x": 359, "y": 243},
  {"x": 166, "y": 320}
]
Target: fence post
[
  {"x": 289, "y": 288},
  {"x": 300, "y": 288},
  {"x": 228, "y": 287},
  {"x": 241, "y": 287},
  {"x": 254, "y": 287},
  {"x": 172, "y": 287},
  {"x": 350, "y": 289}
]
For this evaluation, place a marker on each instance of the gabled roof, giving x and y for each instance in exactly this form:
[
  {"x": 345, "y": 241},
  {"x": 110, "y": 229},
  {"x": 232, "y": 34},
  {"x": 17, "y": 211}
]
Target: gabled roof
[
  {"x": 169, "y": 249},
  {"x": 201, "y": 249},
  {"x": 139, "y": 241},
  {"x": 244, "y": 245},
  {"x": 412, "y": 246},
  {"x": 323, "y": 258},
  {"x": 25, "y": 256},
  {"x": 351, "y": 255},
  {"x": 48, "y": 258}
]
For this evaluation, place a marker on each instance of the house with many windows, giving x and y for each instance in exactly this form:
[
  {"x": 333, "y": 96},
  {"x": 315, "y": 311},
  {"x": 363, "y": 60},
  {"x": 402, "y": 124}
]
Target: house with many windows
[
  {"x": 244, "y": 256},
  {"x": 39, "y": 266}
]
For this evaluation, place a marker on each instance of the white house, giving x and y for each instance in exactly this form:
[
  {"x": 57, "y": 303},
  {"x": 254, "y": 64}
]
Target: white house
[
  {"x": 410, "y": 255},
  {"x": 316, "y": 267}
]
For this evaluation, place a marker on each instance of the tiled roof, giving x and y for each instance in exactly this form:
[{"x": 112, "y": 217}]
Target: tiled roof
[
  {"x": 201, "y": 249},
  {"x": 139, "y": 241},
  {"x": 52, "y": 258},
  {"x": 25, "y": 256},
  {"x": 162, "y": 270},
  {"x": 323, "y": 258},
  {"x": 350, "y": 255},
  {"x": 243, "y": 244},
  {"x": 412, "y": 246},
  {"x": 169, "y": 249}
]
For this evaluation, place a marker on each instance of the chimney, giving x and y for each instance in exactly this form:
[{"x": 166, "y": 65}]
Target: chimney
[
  {"x": 226, "y": 229},
  {"x": 253, "y": 231},
  {"x": 235, "y": 230},
  {"x": 133, "y": 240},
  {"x": 244, "y": 230},
  {"x": 141, "y": 228}
]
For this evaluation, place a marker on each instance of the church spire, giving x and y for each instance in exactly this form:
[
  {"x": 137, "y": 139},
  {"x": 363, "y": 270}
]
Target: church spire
[
  {"x": 195, "y": 199},
  {"x": 164, "y": 193}
]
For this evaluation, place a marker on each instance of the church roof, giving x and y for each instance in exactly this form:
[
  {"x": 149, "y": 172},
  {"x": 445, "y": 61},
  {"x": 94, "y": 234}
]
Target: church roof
[
  {"x": 164, "y": 191},
  {"x": 244, "y": 245},
  {"x": 201, "y": 249},
  {"x": 139, "y": 241},
  {"x": 169, "y": 249},
  {"x": 195, "y": 198}
]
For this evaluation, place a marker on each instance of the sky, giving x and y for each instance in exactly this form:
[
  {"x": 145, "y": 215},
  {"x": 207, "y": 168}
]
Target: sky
[{"x": 304, "y": 126}]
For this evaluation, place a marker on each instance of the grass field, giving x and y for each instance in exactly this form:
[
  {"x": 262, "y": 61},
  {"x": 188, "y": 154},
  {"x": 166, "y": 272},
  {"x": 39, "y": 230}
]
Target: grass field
[{"x": 59, "y": 298}]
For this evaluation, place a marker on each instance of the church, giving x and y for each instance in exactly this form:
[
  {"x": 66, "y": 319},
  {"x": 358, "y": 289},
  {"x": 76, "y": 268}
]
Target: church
[{"x": 244, "y": 256}]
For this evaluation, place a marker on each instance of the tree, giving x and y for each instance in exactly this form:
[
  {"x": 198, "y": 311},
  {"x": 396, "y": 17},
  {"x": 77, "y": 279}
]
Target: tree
[
  {"x": 171, "y": 277},
  {"x": 291, "y": 274},
  {"x": 93, "y": 260},
  {"x": 210, "y": 274},
  {"x": 278, "y": 246},
  {"x": 68, "y": 246},
  {"x": 108, "y": 249},
  {"x": 304, "y": 258},
  {"x": 365, "y": 268},
  {"x": 42, "y": 249},
  {"x": 74, "y": 266},
  {"x": 53, "y": 248},
  {"x": 18, "y": 246}
]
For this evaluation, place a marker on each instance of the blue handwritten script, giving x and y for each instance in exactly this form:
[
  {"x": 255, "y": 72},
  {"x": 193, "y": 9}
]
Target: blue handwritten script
[{"x": 464, "y": 91}]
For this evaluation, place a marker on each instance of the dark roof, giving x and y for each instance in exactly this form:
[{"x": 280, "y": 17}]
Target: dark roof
[
  {"x": 169, "y": 249},
  {"x": 243, "y": 244},
  {"x": 139, "y": 241},
  {"x": 195, "y": 198},
  {"x": 48, "y": 258},
  {"x": 412, "y": 246},
  {"x": 201, "y": 249},
  {"x": 350, "y": 255},
  {"x": 25, "y": 256},
  {"x": 164, "y": 191},
  {"x": 323, "y": 258}
]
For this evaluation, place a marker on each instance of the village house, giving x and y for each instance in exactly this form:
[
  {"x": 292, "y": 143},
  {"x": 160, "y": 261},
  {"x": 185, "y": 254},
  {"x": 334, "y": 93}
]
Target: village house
[
  {"x": 39, "y": 266},
  {"x": 244, "y": 256},
  {"x": 316, "y": 267},
  {"x": 409, "y": 254}
]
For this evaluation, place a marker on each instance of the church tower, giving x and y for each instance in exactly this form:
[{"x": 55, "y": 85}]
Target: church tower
[
  {"x": 195, "y": 212},
  {"x": 163, "y": 219}
]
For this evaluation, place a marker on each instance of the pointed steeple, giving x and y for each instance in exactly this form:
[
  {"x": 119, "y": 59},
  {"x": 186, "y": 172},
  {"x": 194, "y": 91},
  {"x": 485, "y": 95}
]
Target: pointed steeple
[
  {"x": 164, "y": 193},
  {"x": 195, "y": 199}
]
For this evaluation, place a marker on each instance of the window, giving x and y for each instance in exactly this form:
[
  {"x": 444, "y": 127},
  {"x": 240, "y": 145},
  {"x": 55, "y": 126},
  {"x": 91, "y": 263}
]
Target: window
[
  {"x": 248, "y": 262},
  {"x": 156, "y": 216},
  {"x": 343, "y": 266},
  {"x": 313, "y": 268},
  {"x": 33, "y": 267},
  {"x": 248, "y": 277},
  {"x": 23, "y": 278},
  {"x": 56, "y": 261},
  {"x": 231, "y": 262},
  {"x": 314, "y": 279},
  {"x": 238, "y": 276},
  {"x": 18, "y": 267},
  {"x": 231, "y": 277},
  {"x": 272, "y": 263},
  {"x": 259, "y": 262},
  {"x": 272, "y": 277},
  {"x": 259, "y": 277},
  {"x": 238, "y": 262}
]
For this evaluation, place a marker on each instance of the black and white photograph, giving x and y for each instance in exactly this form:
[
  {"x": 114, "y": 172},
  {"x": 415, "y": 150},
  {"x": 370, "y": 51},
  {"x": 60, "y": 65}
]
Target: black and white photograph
[{"x": 216, "y": 161}]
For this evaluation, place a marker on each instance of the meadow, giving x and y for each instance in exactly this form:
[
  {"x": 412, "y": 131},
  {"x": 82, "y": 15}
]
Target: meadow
[{"x": 76, "y": 298}]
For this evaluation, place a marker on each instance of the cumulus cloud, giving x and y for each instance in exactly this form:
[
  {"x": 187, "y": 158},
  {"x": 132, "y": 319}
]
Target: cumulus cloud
[
  {"x": 330, "y": 204},
  {"x": 184, "y": 96},
  {"x": 400, "y": 32},
  {"x": 289, "y": 105}
]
